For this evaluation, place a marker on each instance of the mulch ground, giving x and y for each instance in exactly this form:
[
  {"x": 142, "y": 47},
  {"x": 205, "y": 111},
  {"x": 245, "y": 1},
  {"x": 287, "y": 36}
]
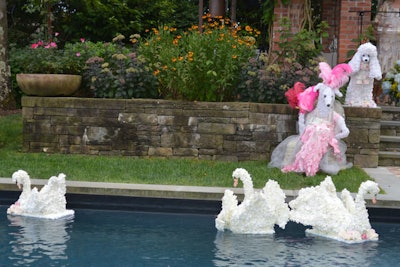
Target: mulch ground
[{"x": 4, "y": 112}]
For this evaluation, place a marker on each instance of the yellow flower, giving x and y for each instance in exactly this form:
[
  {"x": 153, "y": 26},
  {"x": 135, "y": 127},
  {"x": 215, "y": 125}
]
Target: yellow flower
[
  {"x": 156, "y": 72},
  {"x": 248, "y": 28},
  {"x": 173, "y": 59},
  {"x": 165, "y": 28},
  {"x": 180, "y": 58},
  {"x": 234, "y": 56}
]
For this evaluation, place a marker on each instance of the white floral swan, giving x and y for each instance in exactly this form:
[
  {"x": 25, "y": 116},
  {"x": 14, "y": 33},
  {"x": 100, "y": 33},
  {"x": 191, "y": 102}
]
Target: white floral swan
[
  {"x": 343, "y": 219},
  {"x": 49, "y": 202},
  {"x": 259, "y": 211}
]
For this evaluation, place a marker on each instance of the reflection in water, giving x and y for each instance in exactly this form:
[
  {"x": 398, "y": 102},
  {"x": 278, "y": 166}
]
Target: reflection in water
[
  {"x": 34, "y": 239},
  {"x": 289, "y": 249}
]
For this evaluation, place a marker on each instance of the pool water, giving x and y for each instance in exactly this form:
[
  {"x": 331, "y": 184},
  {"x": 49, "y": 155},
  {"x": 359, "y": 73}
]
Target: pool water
[{"x": 118, "y": 238}]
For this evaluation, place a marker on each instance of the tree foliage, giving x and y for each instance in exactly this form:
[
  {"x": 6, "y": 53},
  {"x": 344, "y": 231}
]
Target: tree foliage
[{"x": 97, "y": 20}]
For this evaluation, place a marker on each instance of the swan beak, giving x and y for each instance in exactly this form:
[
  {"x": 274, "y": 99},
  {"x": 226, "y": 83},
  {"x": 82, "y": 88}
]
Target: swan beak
[
  {"x": 19, "y": 186},
  {"x": 235, "y": 182},
  {"x": 374, "y": 200}
]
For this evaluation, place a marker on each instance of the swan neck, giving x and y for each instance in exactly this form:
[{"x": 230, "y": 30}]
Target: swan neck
[{"x": 248, "y": 187}]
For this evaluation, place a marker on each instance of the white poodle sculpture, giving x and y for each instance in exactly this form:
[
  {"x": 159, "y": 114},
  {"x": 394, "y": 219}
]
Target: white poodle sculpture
[
  {"x": 259, "y": 211},
  {"x": 366, "y": 68},
  {"x": 324, "y": 128}
]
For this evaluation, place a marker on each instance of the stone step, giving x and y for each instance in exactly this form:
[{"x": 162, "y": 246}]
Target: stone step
[
  {"x": 389, "y": 158},
  {"x": 390, "y": 139},
  {"x": 390, "y": 128},
  {"x": 390, "y": 116},
  {"x": 389, "y": 154},
  {"x": 390, "y": 123}
]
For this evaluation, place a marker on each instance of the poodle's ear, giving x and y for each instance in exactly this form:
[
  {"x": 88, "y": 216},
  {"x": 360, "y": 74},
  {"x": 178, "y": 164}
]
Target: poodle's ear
[
  {"x": 375, "y": 71},
  {"x": 355, "y": 62},
  {"x": 317, "y": 87},
  {"x": 338, "y": 93}
]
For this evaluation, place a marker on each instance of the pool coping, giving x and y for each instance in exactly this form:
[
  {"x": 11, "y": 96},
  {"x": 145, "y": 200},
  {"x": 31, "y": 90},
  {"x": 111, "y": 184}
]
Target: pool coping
[{"x": 171, "y": 191}]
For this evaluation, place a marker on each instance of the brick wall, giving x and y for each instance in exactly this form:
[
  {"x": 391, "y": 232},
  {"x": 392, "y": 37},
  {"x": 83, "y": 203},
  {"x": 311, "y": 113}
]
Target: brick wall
[{"x": 160, "y": 128}]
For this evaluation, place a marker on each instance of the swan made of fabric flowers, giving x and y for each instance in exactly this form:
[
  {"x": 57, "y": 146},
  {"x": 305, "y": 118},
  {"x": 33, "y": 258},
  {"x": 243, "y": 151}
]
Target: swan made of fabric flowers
[
  {"x": 49, "y": 202},
  {"x": 259, "y": 211},
  {"x": 343, "y": 219}
]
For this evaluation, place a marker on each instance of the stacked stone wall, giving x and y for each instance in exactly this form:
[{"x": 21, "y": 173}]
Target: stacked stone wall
[{"x": 233, "y": 131}]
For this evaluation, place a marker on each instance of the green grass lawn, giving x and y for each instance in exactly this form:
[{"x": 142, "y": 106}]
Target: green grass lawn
[{"x": 148, "y": 170}]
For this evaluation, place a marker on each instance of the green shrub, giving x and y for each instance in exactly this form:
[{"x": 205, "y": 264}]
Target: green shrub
[
  {"x": 118, "y": 72},
  {"x": 265, "y": 83},
  {"x": 199, "y": 66}
]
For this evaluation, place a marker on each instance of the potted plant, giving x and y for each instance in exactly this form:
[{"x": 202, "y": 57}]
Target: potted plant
[{"x": 46, "y": 70}]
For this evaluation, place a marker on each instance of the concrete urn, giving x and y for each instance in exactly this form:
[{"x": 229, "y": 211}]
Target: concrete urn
[{"x": 49, "y": 84}]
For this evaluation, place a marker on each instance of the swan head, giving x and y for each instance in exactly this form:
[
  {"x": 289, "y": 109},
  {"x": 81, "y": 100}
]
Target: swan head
[
  {"x": 369, "y": 187},
  {"x": 241, "y": 174},
  {"x": 20, "y": 177}
]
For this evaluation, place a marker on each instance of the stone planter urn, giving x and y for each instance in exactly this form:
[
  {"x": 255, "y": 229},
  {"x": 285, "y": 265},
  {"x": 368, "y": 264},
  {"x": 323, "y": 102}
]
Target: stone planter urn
[{"x": 49, "y": 84}]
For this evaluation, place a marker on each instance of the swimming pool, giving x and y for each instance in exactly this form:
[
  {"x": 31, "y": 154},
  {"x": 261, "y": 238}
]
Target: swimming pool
[{"x": 127, "y": 238}]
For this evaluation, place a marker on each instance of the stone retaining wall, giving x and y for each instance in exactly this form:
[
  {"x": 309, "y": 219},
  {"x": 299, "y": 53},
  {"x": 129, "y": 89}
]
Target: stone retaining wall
[{"x": 232, "y": 131}]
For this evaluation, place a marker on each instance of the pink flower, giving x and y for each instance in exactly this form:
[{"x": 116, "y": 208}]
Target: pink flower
[
  {"x": 82, "y": 40},
  {"x": 34, "y": 46},
  {"x": 53, "y": 44},
  {"x": 78, "y": 54},
  {"x": 40, "y": 43},
  {"x": 56, "y": 34}
]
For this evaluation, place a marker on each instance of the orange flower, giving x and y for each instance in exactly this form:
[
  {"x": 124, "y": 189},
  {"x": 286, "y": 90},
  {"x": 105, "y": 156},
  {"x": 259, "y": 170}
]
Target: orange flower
[
  {"x": 156, "y": 72},
  {"x": 234, "y": 56},
  {"x": 165, "y": 28}
]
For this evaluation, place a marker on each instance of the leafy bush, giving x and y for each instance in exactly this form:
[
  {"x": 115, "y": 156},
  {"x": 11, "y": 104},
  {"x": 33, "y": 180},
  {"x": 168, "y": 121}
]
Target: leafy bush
[
  {"x": 199, "y": 66},
  {"x": 268, "y": 83},
  {"x": 118, "y": 72},
  {"x": 267, "y": 77}
]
